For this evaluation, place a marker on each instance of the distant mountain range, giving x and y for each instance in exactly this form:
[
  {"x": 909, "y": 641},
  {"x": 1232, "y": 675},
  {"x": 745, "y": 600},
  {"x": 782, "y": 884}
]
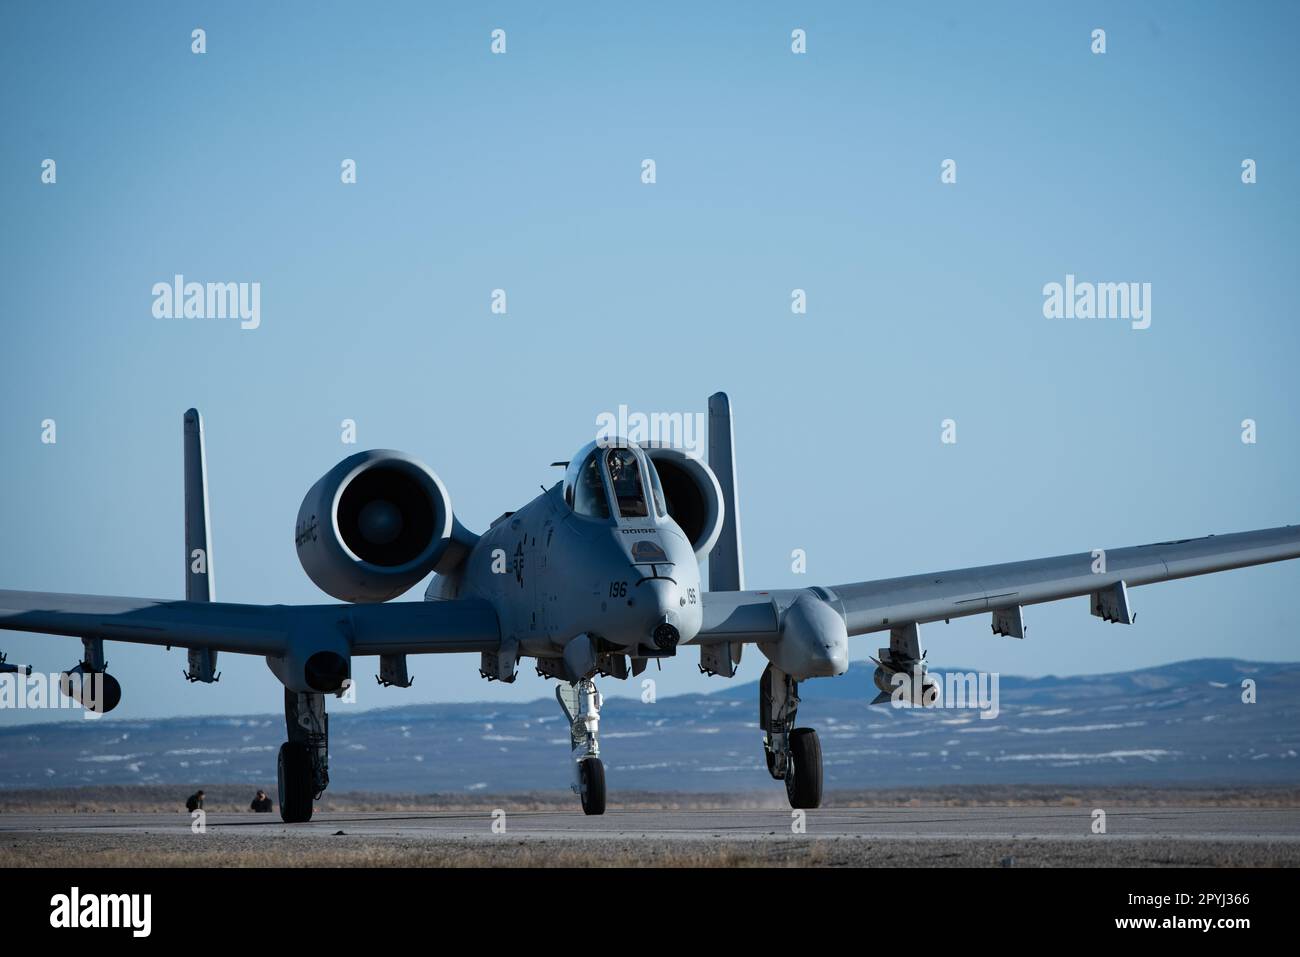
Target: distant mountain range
[{"x": 1182, "y": 723}]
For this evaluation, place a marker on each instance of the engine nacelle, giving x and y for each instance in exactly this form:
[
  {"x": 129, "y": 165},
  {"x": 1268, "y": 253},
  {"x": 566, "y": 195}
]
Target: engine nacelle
[
  {"x": 692, "y": 496},
  {"x": 373, "y": 526}
]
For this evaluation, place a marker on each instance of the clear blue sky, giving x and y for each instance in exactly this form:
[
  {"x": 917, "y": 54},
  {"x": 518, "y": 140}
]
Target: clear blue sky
[{"x": 775, "y": 172}]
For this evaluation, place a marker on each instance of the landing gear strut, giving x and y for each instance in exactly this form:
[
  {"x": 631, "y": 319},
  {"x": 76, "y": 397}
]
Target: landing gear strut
[
  {"x": 581, "y": 703},
  {"x": 304, "y": 764},
  {"x": 794, "y": 755}
]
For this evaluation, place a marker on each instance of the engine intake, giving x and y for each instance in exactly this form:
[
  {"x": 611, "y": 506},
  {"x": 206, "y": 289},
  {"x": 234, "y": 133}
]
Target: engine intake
[
  {"x": 692, "y": 496},
  {"x": 386, "y": 515},
  {"x": 373, "y": 526}
]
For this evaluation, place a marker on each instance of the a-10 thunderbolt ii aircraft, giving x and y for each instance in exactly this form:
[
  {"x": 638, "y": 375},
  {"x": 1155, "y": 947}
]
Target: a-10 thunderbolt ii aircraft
[{"x": 597, "y": 575}]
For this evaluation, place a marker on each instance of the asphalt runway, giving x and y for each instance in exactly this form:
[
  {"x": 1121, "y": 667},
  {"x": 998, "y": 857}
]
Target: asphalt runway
[
  {"x": 989, "y": 836},
  {"x": 961, "y": 823}
]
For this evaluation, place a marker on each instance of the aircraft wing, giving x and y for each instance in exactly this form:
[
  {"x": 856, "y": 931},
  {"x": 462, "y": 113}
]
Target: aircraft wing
[
  {"x": 413, "y": 627},
  {"x": 1105, "y": 575}
]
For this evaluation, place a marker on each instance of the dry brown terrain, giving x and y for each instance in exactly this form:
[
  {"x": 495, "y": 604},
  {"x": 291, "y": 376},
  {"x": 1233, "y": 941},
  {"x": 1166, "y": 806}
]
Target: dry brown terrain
[{"x": 63, "y": 850}]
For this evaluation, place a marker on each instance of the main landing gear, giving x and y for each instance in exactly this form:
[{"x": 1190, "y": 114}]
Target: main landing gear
[
  {"x": 581, "y": 703},
  {"x": 304, "y": 764},
  {"x": 794, "y": 755}
]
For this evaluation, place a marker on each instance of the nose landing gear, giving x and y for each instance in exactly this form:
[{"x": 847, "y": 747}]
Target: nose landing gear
[
  {"x": 794, "y": 755},
  {"x": 591, "y": 785},
  {"x": 581, "y": 703}
]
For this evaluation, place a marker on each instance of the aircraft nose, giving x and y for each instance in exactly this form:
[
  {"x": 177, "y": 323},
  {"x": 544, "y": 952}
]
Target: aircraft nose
[{"x": 660, "y": 601}]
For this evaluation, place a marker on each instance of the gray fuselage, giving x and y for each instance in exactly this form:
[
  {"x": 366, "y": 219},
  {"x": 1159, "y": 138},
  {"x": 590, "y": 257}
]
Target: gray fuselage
[{"x": 552, "y": 574}]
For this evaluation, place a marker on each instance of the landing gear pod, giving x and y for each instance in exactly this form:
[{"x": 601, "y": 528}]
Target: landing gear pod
[{"x": 814, "y": 642}]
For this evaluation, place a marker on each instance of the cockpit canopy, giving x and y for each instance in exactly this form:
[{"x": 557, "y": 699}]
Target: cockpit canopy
[{"x": 613, "y": 478}]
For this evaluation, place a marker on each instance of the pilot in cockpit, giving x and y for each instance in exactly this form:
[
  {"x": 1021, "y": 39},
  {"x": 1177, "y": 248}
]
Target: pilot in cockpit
[{"x": 625, "y": 477}]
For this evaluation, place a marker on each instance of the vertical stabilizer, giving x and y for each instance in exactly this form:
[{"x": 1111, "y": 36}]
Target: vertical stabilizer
[
  {"x": 199, "y": 584},
  {"x": 726, "y": 562}
]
